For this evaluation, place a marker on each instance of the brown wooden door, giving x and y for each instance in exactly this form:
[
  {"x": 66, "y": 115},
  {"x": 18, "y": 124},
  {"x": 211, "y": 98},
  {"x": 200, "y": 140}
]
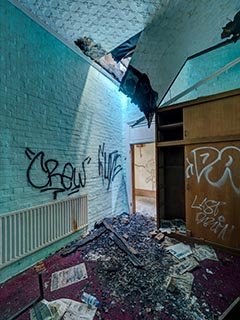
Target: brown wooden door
[{"x": 212, "y": 173}]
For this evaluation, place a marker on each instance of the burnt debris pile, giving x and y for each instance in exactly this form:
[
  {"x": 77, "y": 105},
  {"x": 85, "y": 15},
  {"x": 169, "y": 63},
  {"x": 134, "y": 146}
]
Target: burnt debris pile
[{"x": 143, "y": 272}]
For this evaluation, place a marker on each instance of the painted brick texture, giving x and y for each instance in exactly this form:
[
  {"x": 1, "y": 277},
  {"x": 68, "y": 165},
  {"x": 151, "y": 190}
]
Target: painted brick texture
[{"x": 55, "y": 104}]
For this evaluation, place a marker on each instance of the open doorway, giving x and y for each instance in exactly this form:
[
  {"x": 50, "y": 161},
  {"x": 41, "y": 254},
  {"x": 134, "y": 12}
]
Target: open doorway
[
  {"x": 144, "y": 179},
  {"x": 171, "y": 188},
  {"x": 174, "y": 199}
]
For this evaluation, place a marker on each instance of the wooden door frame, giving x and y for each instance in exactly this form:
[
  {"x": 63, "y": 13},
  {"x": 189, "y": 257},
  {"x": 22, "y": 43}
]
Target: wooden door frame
[
  {"x": 135, "y": 191},
  {"x": 133, "y": 178},
  {"x": 135, "y": 135}
]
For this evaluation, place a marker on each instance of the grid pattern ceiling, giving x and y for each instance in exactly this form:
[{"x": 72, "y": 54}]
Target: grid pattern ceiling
[{"x": 108, "y": 22}]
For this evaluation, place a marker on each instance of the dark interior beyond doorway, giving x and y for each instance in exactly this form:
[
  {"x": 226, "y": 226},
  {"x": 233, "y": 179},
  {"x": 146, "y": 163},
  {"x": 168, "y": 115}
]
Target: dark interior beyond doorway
[{"x": 174, "y": 183}]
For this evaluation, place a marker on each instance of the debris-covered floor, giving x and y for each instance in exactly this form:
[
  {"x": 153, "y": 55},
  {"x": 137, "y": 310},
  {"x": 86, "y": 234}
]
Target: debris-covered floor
[{"x": 148, "y": 282}]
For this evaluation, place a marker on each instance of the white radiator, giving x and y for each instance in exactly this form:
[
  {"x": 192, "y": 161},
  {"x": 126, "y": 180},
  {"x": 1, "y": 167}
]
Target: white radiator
[{"x": 25, "y": 231}]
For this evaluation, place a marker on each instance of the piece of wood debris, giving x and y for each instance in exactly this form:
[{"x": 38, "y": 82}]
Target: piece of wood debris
[
  {"x": 159, "y": 237},
  {"x": 153, "y": 233},
  {"x": 122, "y": 244},
  {"x": 134, "y": 260},
  {"x": 109, "y": 227},
  {"x": 95, "y": 234}
]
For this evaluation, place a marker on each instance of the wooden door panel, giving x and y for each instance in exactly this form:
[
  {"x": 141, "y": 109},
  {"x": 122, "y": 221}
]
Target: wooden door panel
[
  {"x": 216, "y": 118},
  {"x": 212, "y": 180}
]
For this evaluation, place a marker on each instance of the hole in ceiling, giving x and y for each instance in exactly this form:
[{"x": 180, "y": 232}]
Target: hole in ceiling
[{"x": 115, "y": 62}]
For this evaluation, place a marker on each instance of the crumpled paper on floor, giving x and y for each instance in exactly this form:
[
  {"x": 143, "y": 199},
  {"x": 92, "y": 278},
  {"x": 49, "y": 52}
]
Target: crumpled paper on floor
[
  {"x": 68, "y": 276},
  {"x": 202, "y": 252},
  {"x": 62, "y": 309}
]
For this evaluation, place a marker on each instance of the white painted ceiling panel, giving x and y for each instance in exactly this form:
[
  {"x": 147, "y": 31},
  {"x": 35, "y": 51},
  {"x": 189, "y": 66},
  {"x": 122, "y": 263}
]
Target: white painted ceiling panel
[
  {"x": 108, "y": 22},
  {"x": 186, "y": 28}
]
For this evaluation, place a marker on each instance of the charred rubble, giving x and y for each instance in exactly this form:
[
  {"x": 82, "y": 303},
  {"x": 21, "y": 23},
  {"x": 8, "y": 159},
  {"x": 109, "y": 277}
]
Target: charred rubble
[{"x": 147, "y": 290}]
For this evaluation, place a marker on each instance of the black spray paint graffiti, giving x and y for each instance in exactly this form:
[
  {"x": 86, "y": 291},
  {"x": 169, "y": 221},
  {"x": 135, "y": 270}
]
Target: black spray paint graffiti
[
  {"x": 46, "y": 174},
  {"x": 108, "y": 166}
]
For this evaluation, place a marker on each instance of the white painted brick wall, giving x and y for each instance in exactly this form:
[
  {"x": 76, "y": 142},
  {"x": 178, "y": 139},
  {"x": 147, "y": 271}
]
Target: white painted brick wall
[{"x": 53, "y": 101}]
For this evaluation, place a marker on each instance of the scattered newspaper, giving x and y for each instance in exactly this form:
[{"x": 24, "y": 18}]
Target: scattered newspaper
[
  {"x": 179, "y": 250},
  {"x": 182, "y": 282},
  {"x": 68, "y": 276},
  {"x": 202, "y": 252},
  {"x": 42, "y": 311},
  {"x": 62, "y": 309},
  {"x": 186, "y": 265}
]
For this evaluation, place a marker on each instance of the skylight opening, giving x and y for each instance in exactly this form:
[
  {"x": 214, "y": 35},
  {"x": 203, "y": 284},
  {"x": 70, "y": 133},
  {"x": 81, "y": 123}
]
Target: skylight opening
[{"x": 115, "y": 62}]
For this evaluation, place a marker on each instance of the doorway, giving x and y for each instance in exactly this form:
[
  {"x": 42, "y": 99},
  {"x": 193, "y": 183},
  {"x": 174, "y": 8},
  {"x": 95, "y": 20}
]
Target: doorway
[
  {"x": 171, "y": 185},
  {"x": 144, "y": 179}
]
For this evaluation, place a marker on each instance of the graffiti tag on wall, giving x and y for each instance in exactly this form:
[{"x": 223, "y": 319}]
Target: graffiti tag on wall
[
  {"x": 210, "y": 217},
  {"x": 46, "y": 174},
  {"x": 223, "y": 164},
  {"x": 108, "y": 166},
  {"x": 149, "y": 168}
]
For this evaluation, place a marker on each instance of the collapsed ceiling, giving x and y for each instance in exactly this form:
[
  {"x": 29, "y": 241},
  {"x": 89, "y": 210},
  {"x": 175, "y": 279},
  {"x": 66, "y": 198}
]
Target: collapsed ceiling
[
  {"x": 186, "y": 28},
  {"x": 168, "y": 32}
]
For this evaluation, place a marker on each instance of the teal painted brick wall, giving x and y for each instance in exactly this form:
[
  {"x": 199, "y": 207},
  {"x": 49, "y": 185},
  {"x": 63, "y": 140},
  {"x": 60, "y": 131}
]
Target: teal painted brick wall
[{"x": 54, "y": 102}]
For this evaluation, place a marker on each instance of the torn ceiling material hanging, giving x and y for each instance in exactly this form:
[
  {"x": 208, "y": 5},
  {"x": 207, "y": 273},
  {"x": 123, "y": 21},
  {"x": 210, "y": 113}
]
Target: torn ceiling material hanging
[
  {"x": 136, "y": 85},
  {"x": 161, "y": 51},
  {"x": 232, "y": 28},
  {"x": 125, "y": 49}
]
